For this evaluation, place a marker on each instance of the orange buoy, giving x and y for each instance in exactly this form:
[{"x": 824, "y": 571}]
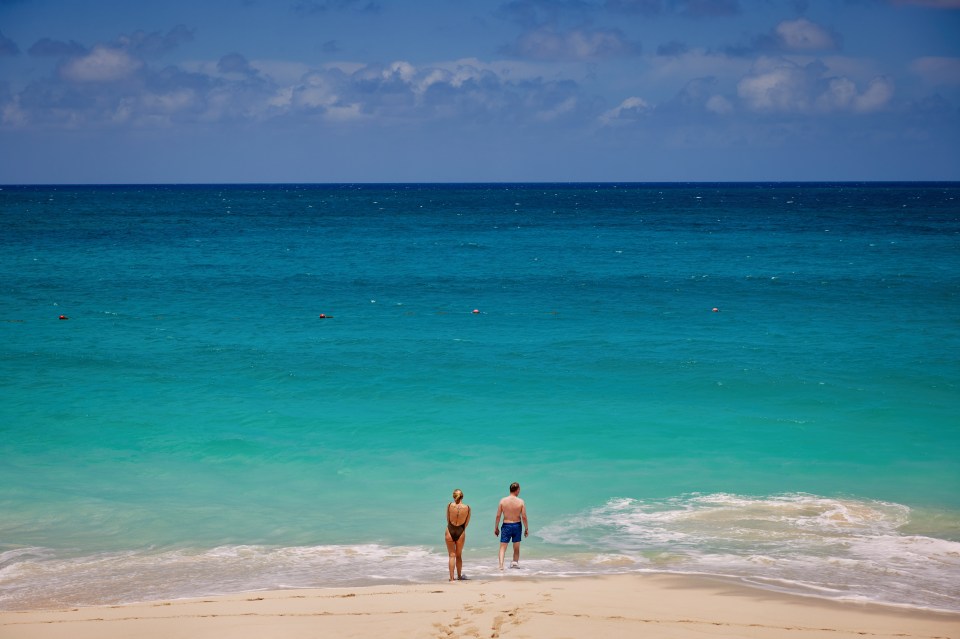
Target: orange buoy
[{"x": 64, "y": 317}]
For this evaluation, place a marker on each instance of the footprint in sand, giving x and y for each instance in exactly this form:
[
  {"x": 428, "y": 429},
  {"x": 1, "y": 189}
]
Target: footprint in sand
[
  {"x": 455, "y": 630},
  {"x": 512, "y": 617},
  {"x": 497, "y": 625},
  {"x": 445, "y": 632}
]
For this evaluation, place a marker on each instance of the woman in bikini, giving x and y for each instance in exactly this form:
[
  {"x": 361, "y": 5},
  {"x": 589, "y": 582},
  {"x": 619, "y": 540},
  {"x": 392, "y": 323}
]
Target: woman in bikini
[{"x": 458, "y": 518}]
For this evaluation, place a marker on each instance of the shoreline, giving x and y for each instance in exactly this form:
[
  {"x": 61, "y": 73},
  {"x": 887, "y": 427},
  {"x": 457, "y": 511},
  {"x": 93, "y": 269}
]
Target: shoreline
[{"x": 681, "y": 606}]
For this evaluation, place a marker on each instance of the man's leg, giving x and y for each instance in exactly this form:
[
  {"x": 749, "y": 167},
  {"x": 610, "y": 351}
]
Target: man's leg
[
  {"x": 516, "y": 553},
  {"x": 503, "y": 551}
]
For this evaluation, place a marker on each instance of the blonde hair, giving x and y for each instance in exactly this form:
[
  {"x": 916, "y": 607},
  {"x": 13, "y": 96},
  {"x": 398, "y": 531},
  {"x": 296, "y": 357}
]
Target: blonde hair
[{"x": 456, "y": 492}]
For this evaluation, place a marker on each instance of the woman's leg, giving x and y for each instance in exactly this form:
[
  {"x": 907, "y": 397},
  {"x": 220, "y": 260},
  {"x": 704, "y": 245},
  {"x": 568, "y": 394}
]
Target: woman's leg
[
  {"x": 451, "y": 552},
  {"x": 460, "y": 542}
]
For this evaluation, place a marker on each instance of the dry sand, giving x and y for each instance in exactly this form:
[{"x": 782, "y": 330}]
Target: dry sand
[{"x": 663, "y": 606}]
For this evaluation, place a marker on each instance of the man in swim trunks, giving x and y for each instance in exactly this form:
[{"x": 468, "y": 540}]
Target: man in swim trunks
[{"x": 514, "y": 511}]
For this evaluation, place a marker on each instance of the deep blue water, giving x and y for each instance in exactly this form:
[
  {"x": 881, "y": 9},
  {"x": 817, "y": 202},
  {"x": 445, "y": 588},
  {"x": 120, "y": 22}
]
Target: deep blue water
[{"x": 195, "y": 426}]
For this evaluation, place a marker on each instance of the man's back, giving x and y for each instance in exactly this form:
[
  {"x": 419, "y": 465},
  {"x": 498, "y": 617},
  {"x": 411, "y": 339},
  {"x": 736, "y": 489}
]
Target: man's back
[{"x": 512, "y": 507}]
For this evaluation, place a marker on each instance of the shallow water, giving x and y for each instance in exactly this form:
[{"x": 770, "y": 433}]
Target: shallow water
[{"x": 196, "y": 427}]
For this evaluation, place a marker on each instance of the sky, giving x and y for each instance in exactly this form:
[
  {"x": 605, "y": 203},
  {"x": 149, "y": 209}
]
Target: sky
[{"x": 228, "y": 91}]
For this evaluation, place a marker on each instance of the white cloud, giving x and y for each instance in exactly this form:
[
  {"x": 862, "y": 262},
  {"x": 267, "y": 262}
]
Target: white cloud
[
  {"x": 103, "y": 64},
  {"x": 789, "y": 36},
  {"x": 559, "y": 110},
  {"x": 169, "y": 103},
  {"x": 719, "y": 105},
  {"x": 401, "y": 70},
  {"x": 803, "y": 35},
  {"x": 440, "y": 76},
  {"x": 631, "y": 109},
  {"x": 698, "y": 63},
  {"x": 283, "y": 98},
  {"x": 779, "y": 89},
  {"x": 344, "y": 113},
  {"x": 12, "y": 114},
  {"x": 124, "y": 112},
  {"x": 508, "y": 70},
  {"x": 785, "y": 87},
  {"x": 316, "y": 91},
  {"x": 839, "y": 94},
  {"x": 937, "y": 70},
  {"x": 401, "y": 91},
  {"x": 876, "y": 96}
]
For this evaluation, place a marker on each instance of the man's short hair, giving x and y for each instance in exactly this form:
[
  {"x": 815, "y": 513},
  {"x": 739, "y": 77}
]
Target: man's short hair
[{"x": 514, "y": 487}]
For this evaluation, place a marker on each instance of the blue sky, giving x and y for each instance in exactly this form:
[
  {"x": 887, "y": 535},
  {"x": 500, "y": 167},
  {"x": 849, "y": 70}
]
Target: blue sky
[{"x": 114, "y": 91}]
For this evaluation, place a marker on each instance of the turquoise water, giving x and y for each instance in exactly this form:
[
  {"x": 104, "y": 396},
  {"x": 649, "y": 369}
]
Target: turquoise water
[{"x": 196, "y": 427}]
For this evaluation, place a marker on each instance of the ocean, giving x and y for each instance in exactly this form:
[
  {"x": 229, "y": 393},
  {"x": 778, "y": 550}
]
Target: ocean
[{"x": 279, "y": 386}]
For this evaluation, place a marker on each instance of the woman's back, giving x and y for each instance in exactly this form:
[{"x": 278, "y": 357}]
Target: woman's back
[{"x": 457, "y": 513}]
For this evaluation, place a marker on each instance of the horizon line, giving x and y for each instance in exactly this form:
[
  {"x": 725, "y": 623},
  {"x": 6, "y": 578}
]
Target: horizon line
[{"x": 472, "y": 183}]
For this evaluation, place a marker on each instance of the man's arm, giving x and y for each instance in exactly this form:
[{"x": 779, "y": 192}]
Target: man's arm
[
  {"x": 496, "y": 523},
  {"x": 523, "y": 516}
]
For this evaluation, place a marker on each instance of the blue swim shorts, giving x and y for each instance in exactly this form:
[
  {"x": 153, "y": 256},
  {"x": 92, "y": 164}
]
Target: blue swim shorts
[{"x": 511, "y": 532}]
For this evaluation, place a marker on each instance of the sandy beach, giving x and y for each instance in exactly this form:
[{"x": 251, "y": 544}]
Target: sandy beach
[{"x": 617, "y": 606}]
